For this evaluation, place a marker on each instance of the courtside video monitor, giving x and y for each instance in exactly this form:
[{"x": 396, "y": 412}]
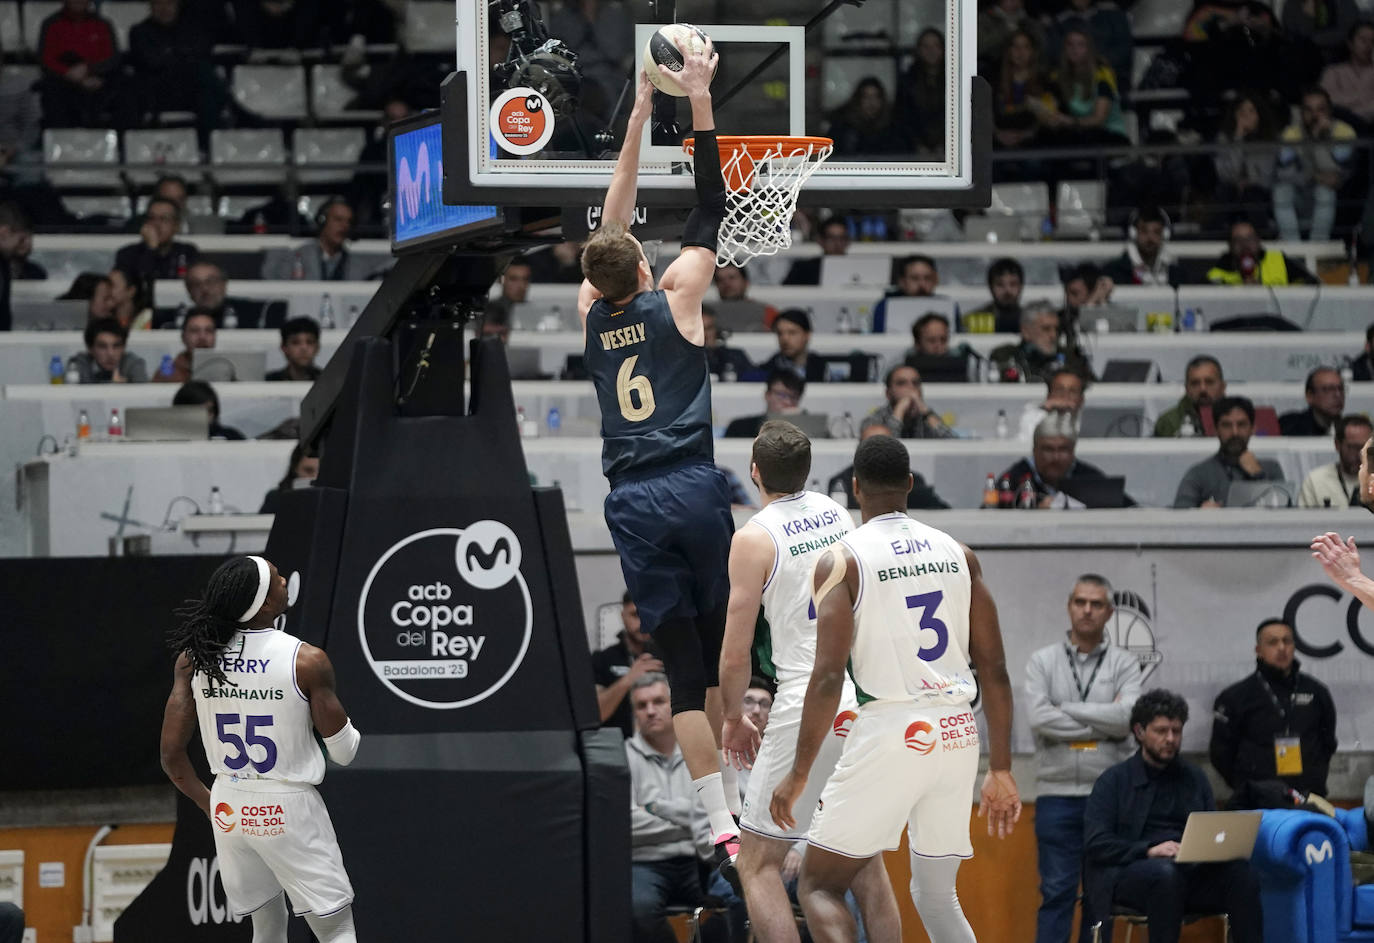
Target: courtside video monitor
[
  {"x": 419, "y": 217},
  {"x": 545, "y": 95}
]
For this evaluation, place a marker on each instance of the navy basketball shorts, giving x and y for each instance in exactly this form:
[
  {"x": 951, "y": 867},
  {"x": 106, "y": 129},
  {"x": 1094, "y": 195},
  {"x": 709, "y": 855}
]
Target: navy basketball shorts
[{"x": 672, "y": 530}]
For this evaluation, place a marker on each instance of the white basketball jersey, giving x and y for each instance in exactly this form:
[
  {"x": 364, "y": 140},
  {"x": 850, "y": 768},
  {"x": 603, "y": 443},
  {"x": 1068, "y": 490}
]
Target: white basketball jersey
[
  {"x": 801, "y": 526},
  {"x": 262, "y": 728},
  {"x": 911, "y": 617}
]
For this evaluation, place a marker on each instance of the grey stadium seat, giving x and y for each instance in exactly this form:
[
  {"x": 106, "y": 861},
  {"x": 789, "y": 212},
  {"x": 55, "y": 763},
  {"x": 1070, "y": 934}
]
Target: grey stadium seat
[
  {"x": 271, "y": 91},
  {"x": 262, "y": 146},
  {"x": 429, "y": 27},
  {"x": 340, "y": 146},
  {"x": 82, "y": 146},
  {"x": 123, "y": 16},
  {"x": 176, "y": 147}
]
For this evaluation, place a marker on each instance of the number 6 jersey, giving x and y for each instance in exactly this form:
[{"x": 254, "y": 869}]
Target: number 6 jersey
[
  {"x": 911, "y": 622},
  {"x": 261, "y": 729}
]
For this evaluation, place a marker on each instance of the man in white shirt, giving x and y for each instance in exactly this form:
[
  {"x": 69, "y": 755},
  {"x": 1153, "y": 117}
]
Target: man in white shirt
[{"x": 1331, "y": 486}]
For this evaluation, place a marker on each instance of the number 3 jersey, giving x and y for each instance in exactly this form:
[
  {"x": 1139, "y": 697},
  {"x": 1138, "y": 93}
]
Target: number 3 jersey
[
  {"x": 651, "y": 384},
  {"x": 911, "y": 626},
  {"x": 261, "y": 729}
]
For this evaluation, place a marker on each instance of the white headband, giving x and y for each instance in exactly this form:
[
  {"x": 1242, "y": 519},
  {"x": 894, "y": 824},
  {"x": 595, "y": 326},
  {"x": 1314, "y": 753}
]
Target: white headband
[{"x": 264, "y": 578}]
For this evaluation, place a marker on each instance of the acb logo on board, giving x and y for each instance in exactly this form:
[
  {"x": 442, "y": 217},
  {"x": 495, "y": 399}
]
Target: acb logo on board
[{"x": 444, "y": 616}]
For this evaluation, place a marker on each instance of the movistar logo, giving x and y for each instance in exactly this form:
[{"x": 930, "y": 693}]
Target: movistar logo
[
  {"x": 1316, "y": 854},
  {"x": 412, "y": 190},
  {"x": 486, "y": 561}
]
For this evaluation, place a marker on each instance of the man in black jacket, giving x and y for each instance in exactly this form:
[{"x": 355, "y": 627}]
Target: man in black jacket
[
  {"x": 1325, "y": 391},
  {"x": 1133, "y": 826},
  {"x": 1273, "y": 734},
  {"x": 1053, "y": 464},
  {"x": 921, "y": 497}
]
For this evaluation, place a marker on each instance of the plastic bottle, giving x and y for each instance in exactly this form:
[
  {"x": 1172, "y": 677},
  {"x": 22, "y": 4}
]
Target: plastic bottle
[
  {"x": 845, "y": 324},
  {"x": 990, "y": 496},
  {"x": 728, "y": 374},
  {"x": 326, "y": 311},
  {"x": 259, "y": 224},
  {"x": 1189, "y": 321},
  {"x": 230, "y": 319},
  {"x": 216, "y": 505},
  {"x": 297, "y": 267},
  {"x": 116, "y": 427},
  {"x": 555, "y": 420},
  {"x": 167, "y": 367},
  {"x": 1025, "y": 497},
  {"x": 1199, "y": 320},
  {"x": 1347, "y": 373},
  {"x": 57, "y": 374},
  {"x": 73, "y": 375},
  {"x": 1006, "y": 497},
  {"x": 83, "y": 426},
  {"x": 181, "y": 265},
  {"x": 1003, "y": 426},
  {"x": 1046, "y": 229},
  {"x": 1187, "y": 429},
  {"x": 863, "y": 323}
]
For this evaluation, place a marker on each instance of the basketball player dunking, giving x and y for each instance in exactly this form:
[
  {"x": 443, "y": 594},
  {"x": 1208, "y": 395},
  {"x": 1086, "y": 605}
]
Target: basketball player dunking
[
  {"x": 771, "y": 561},
  {"x": 669, "y": 506},
  {"x": 260, "y": 695},
  {"x": 905, "y": 605}
]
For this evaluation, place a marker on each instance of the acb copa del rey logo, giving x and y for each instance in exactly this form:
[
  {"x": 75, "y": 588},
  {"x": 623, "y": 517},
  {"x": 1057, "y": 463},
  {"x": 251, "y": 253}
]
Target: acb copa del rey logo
[{"x": 444, "y": 617}]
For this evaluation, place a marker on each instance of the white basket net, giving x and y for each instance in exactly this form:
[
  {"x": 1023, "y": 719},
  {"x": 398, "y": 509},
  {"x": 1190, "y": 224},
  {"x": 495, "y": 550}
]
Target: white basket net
[{"x": 763, "y": 178}]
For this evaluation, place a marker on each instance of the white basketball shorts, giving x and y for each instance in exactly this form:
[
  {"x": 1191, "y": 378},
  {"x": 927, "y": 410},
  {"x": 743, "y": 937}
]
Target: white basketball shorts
[
  {"x": 902, "y": 766},
  {"x": 272, "y": 836}
]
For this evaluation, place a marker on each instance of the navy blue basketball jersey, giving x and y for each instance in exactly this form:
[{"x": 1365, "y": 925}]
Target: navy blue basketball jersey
[{"x": 652, "y": 386}]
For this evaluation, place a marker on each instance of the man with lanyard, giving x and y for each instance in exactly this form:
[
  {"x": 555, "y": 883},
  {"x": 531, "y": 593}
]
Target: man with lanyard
[
  {"x": 1274, "y": 733},
  {"x": 1080, "y": 693}
]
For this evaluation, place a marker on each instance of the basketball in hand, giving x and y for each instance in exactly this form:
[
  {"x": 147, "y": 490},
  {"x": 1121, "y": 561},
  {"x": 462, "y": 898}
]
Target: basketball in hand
[{"x": 663, "y": 56}]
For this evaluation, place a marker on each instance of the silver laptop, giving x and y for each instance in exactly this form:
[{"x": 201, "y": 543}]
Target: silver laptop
[
  {"x": 166, "y": 423},
  {"x": 524, "y": 363},
  {"x": 1117, "y": 319},
  {"x": 1261, "y": 494},
  {"x": 904, "y": 312},
  {"x": 815, "y": 425},
  {"x": 221, "y": 366},
  {"x": 49, "y": 315},
  {"x": 544, "y": 316},
  {"x": 1218, "y": 836},
  {"x": 850, "y": 271},
  {"x": 739, "y": 315}
]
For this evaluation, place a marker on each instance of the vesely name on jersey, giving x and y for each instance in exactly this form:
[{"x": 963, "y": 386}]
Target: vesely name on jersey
[
  {"x": 623, "y": 336},
  {"x": 918, "y": 569}
]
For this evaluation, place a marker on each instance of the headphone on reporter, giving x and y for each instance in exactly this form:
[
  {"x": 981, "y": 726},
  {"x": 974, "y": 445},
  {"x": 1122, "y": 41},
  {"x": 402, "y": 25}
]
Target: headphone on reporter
[
  {"x": 1133, "y": 222},
  {"x": 322, "y": 214}
]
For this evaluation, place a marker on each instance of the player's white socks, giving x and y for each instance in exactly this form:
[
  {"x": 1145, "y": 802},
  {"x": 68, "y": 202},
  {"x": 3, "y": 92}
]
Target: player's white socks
[
  {"x": 336, "y": 928},
  {"x": 269, "y": 921},
  {"x": 932, "y": 890},
  {"x": 712, "y": 796},
  {"x": 729, "y": 782}
]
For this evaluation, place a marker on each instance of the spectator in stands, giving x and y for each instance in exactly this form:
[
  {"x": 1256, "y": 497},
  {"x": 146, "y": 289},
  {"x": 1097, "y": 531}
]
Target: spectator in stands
[
  {"x": 1022, "y": 100},
  {"x": 130, "y": 305},
  {"x": 1080, "y": 730},
  {"x": 921, "y": 497},
  {"x": 11, "y": 923},
  {"x": 617, "y": 667},
  {"x": 94, "y": 289},
  {"x": 1084, "y": 285},
  {"x": 1351, "y": 83},
  {"x": 105, "y": 360},
  {"x": 1037, "y": 354},
  {"x": 325, "y": 258},
  {"x": 723, "y": 361},
  {"x": 921, "y": 95},
  {"x": 515, "y": 288},
  {"x": 1244, "y": 176},
  {"x": 197, "y": 333},
  {"x": 917, "y": 277},
  {"x": 1325, "y": 391},
  {"x": 833, "y": 238},
  {"x": 792, "y": 328},
  {"x": 1247, "y": 262},
  {"x": 170, "y": 57},
  {"x": 1052, "y": 463},
  {"x": 929, "y": 336},
  {"x": 1203, "y": 384},
  {"x": 198, "y": 392},
  {"x": 1337, "y": 485},
  {"x": 996, "y": 24},
  {"x": 1206, "y": 483},
  {"x": 1134, "y": 823},
  {"x": 1089, "y": 104},
  {"x": 208, "y": 288},
  {"x": 782, "y": 395},
  {"x": 1108, "y": 26},
  {"x": 158, "y": 254},
  {"x": 19, "y": 237},
  {"x": 79, "y": 56},
  {"x": 21, "y": 126},
  {"x": 1274, "y": 733},
  {"x": 302, "y": 469},
  {"x": 1001, "y": 315},
  {"x": 1316, "y": 159},
  {"x": 742, "y": 313},
  {"x": 906, "y": 414},
  {"x": 1362, "y": 368},
  {"x": 300, "y": 344},
  {"x": 1146, "y": 260},
  {"x": 1325, "y": 22},
  {"x": 864, "y": 124},
  {"x": 1235, "y": 44},
  {"x": 1063, "y": 393}
]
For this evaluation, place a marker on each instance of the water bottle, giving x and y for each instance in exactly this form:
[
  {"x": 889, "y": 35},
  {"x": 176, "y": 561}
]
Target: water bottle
[
  {"x": 1347, "y": 373},
  {"x": 1046, "y": 229},
  {"x": 1187, "y": 429},
  {"x": 259, "y": 224},
  {"x": 181, "y": 265},
  {"x": 56, "y": 372},
  {"x": 116, "y": 427},
  {"x": 1003, "y": 426},
  {"x": 990, "y": 493},
  {"x": 230, "y": 319},
  {"x": 297, "y": 267},
  {"x": 167, "y": 367},
  {"x": 73, "y": 374},
  {"x": 846, "y": 324},
  {"x": 555, "y": 420},
  {"x": 728, "y": 374},
  {"x": 83, "y": 426},
  {"x": 863, "y": 324},
  {"x": 1189, "y": 321},
  {"x": 1025, "y": 498},
  {"x": 326, "y": 311},
  {"x": 1199, "y": 321},
  {"x": 216, "y": 505},
  {"x": 1006, "y": 498}
]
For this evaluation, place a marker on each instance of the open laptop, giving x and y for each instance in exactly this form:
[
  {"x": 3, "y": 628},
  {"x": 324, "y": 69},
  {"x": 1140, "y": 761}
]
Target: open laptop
[
  {"x": 1096, "y": 492},
  {"x": 850, "y": 271},
  {"x": 1120, "y": 319},
  {"x": 524, "y": 363},
  {"x": 1129, "y": 371},
  {"x": 815, "y": 425},
  {"x": 848, "y": 368},
  {"x": 220, "y": 366},
  {"x": 940, "y": 368},
  {"x": 1112, "y": 422},
  {"x": 1218, "y": 836},
  {"x": 1261, "y": 494},
  {"x": 49, "y": 315},
  {"x": 902, "y": 312},
  {"x": 166, "y": 423}
]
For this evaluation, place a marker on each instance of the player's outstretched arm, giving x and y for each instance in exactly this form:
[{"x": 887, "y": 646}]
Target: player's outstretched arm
[
  {"x": 315, "y": 675},
  {"x": 1341, "y": 561},
  {"x": 751, "y": 560},
  {"x": 620, "y": 194},
  {"x": 1001, "y": 801},
  {"x": 835, "y": 586},
  {"x": 178, "y": 726}
]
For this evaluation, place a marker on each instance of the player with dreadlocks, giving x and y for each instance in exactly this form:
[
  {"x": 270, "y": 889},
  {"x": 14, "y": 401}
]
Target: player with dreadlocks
[{"x": 260, "y": 695}]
